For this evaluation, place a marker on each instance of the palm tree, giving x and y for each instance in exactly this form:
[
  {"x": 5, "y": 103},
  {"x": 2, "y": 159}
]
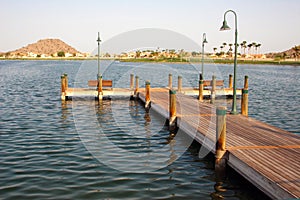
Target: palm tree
[
  {"x": 221, "y": 47},
  {"x": 249, "y": 48},
  {"x": 230, "y": 46},
  {"x": 244, "y": 46},
  {"x": 215, "y": 49},
  {"x": 230, "y": 49},
  {"x": 284, "y": 55},
  {"x": 181, "y": 52},
  {"x": 137, "y": 53},
  {"x": 224, "y": 45},
  {"x": 296, "y": 49},
  {"x": 253, "y": 45},
  {"x": 256, "y": 48}
]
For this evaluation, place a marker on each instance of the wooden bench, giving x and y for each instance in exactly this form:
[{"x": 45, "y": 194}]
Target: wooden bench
[
  {"x": 219, "y": 83},
  {"x": 105, "y": 83}
]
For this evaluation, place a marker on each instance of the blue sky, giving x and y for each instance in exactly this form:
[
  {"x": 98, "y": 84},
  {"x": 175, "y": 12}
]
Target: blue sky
[{"x": 274, "y": 24}]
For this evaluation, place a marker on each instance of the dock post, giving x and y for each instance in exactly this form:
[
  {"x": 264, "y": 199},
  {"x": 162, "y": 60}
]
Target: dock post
[
  {"x": 213, "y": 89},
  {"x": 170, "y": 81},
  {"x": 244, "y": 106},
  {"x": 147, "y": 98},
  {"x": 172, "y": 109},
  {"x": 230, "y": 81},
  {"x": 220, "y": 159},
  {"x": 136, "y": 85},
  {"x": 66, "y": 81},
  {"x": 63, "y": 88},
  {"x": 200, "y": 97},
  {"x": 179, "y": 83},
  {"x": 100, "y": 91},
  {"x": 131, "y": 81}
]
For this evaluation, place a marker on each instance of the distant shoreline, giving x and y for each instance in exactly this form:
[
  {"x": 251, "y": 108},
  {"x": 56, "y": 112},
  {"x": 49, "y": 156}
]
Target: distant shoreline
[{"x": 174, "y": 60}]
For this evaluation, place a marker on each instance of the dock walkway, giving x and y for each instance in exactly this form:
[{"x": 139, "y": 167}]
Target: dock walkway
[{"x": 267, "y": 156}]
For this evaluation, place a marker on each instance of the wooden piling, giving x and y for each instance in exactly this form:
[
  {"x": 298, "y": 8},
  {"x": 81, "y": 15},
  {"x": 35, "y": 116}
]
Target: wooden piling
[
  {"x": 131, "y": 81},
  {"x": 172, "y": 108},
  {"x": 244, "y": 102},
  {"x": 213, "y": 88},
  {"x": 179, "y": 83},
  {"x": 230, "y": 81},
  {"x": 66, "y": 81},
  {"x": 220, "y": 160},
  {"x": 100, "y": 91},
  {"x": 200, "y": 97},
  {"x": 170, "y": 81},
  {"x": 147, "y": 96},
  {"x": 136, "y": 85},
  {"x": 246, "y": 84},
  {"x": 63, "y": 87}
]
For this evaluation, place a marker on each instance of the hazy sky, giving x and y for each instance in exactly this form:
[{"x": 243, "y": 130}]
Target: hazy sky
[{"x": 274, "y": 24}]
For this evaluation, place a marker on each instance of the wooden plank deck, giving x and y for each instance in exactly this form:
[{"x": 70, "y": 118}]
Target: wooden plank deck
[
  {"x": 92, "y": 92},
  {"x": 88, "y": 92},
  {"x": 207, "y": 92},
  {"x": 267, "y": 156}
]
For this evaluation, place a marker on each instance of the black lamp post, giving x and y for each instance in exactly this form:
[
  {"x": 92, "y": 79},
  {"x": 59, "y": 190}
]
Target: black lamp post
[{"x": 226, "y": 27}]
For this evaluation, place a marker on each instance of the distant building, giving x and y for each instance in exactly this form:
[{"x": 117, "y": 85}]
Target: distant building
[
  {"x": 131, "y": 55},
  {"x": 31, "y": 55},
  {"x": 80, "y": 55},
  {"x": 67, "y": 55}
]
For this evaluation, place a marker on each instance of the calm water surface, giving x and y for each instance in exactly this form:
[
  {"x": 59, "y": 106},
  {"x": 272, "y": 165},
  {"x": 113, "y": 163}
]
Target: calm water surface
[{"x": 44, "y": 154}]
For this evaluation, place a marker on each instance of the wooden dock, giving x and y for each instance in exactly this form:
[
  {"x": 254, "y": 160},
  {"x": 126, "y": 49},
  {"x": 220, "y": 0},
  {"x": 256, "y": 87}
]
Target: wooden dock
[{"x": 267, "y": 156}]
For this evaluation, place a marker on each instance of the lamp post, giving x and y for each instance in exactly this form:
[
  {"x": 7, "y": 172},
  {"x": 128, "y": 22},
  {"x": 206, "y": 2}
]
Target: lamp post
[
  {"x": 203, "y": 42},
  {"x": 226, "y": 27},
  {"x": 98, "y": 40}
]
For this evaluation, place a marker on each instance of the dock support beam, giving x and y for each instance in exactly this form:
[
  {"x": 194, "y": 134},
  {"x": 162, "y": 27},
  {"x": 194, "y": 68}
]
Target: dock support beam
[
  {"x": 244, "y": 106},
  {"x": 131, "y": 81},
  {"x": 220, "y": 157},
  {"x": 63, "y": 87},
  {"x": 179, "y": 83},
  {"x": 200, "y": 97},
  {"x": 172, "y": 109},
  {"x": 213, "y": 89},
  {"x": 100, "y": 91},
  {"x": 170, "y": 81},
  {"x": 136, "y": 85},
  {"x": 230, "y": 81},
  {"x": 147, "y": 98}
]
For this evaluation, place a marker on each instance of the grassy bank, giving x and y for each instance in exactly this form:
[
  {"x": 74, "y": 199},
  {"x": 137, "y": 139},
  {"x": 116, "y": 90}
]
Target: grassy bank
[
  {"x": 58, "y": 58},
  {"x": 260, "y": 62},
  {"x": 175, "y": 60},
  {"x": 169, "y": 60},
  {"x": 216, "y": 61}
]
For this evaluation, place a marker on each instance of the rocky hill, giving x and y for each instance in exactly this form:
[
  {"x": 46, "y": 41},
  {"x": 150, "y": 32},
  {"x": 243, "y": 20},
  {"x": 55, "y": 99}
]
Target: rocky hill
[
  {"x": 46, "y": 47},
  {"x": 290, "y": 53}
]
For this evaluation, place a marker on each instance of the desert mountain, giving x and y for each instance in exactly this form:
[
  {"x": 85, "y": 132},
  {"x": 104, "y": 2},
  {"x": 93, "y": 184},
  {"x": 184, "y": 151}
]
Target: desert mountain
[
  {"x": 46, "y": 47},
  {"x": 290, "y": 53}
]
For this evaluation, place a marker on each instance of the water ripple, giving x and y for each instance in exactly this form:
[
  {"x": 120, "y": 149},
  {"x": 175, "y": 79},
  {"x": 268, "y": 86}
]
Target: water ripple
[{"x": 43, "y": 157}]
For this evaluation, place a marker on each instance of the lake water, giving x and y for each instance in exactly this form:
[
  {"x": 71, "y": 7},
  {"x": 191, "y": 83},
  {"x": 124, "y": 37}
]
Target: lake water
[{"x": 49, "y": 150}]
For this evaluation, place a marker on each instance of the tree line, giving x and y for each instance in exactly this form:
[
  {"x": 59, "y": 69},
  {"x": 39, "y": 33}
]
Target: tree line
[{"x": 243, "y": 46}]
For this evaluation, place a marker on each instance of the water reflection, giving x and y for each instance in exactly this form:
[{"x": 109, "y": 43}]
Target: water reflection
[{"x": 150, "y": 142}]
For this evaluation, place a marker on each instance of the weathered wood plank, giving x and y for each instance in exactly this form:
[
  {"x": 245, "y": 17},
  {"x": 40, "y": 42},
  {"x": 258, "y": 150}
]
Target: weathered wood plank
[{"x": 265, "y": 155}]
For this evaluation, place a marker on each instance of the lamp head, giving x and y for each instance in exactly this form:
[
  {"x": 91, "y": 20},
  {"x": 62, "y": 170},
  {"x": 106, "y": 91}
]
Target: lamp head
[
  {"x": 224, "y": 26},
  {"x": 204, "y": 39},
  {"x": 98, "y": 40}
]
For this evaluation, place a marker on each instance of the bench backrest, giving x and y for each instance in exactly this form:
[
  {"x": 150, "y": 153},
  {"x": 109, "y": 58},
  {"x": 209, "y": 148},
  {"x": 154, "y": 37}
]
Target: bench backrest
[
  {"x": 209, "y": 83},
  {"x": 105, "y": 83}
]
